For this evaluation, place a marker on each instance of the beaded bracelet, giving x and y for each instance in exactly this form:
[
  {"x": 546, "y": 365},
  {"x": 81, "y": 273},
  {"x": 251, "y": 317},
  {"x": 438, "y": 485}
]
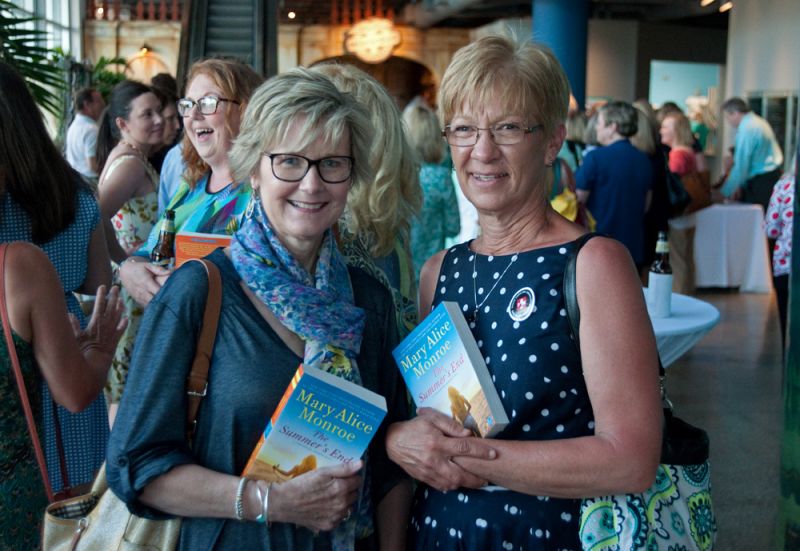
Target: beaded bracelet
[{"x": 238, "y": 505}]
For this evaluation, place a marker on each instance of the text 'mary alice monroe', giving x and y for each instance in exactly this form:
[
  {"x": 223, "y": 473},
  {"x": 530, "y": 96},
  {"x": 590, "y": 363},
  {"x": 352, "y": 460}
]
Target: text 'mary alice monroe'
[
  {"x": 444, "y": 369},
  {"x": 321, "y": 420}
]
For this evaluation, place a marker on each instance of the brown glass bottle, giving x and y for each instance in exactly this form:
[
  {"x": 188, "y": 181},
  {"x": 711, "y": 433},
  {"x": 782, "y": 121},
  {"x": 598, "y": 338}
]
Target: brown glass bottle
[
  {"x": 164, "y": 252},
  {"x": 659, "y": 286}
]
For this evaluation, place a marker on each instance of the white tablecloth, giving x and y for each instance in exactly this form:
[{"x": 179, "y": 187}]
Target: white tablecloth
[
  {"x": 691, "y": 319},
  {"x": 730, "y": 248}
]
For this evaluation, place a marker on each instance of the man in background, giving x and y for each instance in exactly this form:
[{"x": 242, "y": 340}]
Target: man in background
[
  {"x": 757, "y": 157},
  {"x": 81, "y": 143},
  {"x": 615, "y": 180}
]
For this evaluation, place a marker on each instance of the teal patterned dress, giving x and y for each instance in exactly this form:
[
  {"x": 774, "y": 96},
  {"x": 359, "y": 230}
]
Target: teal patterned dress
[
  {"x": 198, "y": 210},
  {"x": 439, "y": 218},
  {"x": 22, "y": 494}
]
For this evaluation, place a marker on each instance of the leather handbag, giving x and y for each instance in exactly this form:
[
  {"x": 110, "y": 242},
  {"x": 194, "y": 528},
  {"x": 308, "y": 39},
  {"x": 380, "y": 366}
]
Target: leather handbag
[
  {"x": 676, "y": 511},
  {"x": 698, "y": 186},
  {"x": 100, "y": 520}
]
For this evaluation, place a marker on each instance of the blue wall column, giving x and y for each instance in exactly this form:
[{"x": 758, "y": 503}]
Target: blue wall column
[{"x": 563, "y": 26}]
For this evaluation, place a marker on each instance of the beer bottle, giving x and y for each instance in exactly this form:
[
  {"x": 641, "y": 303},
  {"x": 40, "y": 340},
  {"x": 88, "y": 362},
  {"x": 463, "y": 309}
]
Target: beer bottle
[
  {"x": 659, "y": 287},
  {"x": 164, "y": 251}
]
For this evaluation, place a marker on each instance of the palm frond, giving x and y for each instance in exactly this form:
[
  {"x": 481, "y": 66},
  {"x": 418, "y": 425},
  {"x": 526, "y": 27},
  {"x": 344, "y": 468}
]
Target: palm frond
[{"x": 24, "y": 49}]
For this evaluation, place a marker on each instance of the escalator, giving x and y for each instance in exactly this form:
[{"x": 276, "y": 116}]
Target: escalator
[{"x": 243, "y": 29}]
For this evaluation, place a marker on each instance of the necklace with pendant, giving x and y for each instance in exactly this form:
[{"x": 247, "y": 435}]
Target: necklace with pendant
[{"x": 498, "y": 279}]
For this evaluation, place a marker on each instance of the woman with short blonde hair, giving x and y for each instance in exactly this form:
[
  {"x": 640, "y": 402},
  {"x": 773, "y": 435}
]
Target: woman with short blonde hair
[
  {"x": 521, "y": 68},
  {"x": 584, "y": 421}
]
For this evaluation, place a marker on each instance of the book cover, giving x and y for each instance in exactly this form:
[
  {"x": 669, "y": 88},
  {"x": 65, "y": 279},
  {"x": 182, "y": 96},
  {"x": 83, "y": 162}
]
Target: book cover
[
  {"x": 190, "y": 245},
  {"x": 444, "y": 369},
  {"x": 321, "y": 420}
]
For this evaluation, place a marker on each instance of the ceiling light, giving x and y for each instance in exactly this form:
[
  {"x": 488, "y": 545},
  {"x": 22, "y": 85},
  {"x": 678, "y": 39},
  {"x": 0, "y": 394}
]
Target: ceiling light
[
  {"x": 725, "y": 7},
  {"x": 372, "y": 40},
  {"x": 291, "y": 15},
  {"x": 705, "y": 3}
]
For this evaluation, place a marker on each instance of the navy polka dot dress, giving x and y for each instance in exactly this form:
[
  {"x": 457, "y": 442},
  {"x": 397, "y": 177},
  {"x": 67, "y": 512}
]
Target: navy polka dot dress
[
  {"x": 84, "y": 434},
  {"x": 514, "y": 306}
]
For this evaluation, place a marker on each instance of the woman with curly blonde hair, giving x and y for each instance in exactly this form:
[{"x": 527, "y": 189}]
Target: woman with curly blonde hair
[{"x": 372, "y": 236}]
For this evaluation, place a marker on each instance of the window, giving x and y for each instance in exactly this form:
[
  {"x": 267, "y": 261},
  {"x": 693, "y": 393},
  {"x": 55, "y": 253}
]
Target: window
[{"x": 60, "y": 19}]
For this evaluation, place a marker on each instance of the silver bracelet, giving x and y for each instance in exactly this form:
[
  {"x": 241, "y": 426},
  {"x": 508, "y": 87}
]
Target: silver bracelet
[
  {"x": 263, "y": 518},
  {"x": 260, "y": 496},
  {"x": 238, "y": 505}
]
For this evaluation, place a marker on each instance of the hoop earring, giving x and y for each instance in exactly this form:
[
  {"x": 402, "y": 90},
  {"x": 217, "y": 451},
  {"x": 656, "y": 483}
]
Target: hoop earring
[{"x": 251, "y": 206}]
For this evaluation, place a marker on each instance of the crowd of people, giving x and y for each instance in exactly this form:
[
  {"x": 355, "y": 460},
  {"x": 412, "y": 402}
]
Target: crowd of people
[{"x": 339, "y": 206}]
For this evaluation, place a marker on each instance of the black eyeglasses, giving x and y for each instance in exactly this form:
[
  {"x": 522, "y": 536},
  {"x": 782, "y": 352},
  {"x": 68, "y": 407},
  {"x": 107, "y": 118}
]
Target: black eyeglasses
[
  {"x": 293, "y": 168},
  {"x": 207, "y": 105},
  {"x": 507, "y": 133}
]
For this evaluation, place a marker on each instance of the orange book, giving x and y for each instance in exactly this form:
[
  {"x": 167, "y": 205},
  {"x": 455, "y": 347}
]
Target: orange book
[{"x": 190, "y": 245}]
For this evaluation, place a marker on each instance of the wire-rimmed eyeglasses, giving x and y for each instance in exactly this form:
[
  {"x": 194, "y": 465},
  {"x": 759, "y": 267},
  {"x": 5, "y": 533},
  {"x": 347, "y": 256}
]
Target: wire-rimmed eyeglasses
[
  {"x": 464, "y": 135},
  {"x": 293, "y": 168},
  {"x": 207, "y": 105}
]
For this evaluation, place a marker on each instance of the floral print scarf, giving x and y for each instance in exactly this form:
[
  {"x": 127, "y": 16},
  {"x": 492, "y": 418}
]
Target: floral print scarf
[{"x": 318, "y": 308}]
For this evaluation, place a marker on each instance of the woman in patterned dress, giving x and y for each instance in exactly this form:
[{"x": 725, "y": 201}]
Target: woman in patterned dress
[
  {"x": 208, "y": 199},
  {"x": 582, "y": 422},
  {"x": 45, "y": 202},
  {"x": 130, "y": 128},
  {"x": 439, "y": 218},
  {"x": 779, "y": 222},
  {"x": 47, "y": 350}
]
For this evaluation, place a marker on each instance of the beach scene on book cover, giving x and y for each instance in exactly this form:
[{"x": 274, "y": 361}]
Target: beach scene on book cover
[
  {"x": 440, "y": 373},
  {"x": 315, "y": 425}
]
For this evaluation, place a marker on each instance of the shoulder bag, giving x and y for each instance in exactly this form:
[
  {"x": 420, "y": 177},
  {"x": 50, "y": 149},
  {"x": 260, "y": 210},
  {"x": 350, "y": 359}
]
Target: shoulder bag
[
  {"x": 679, "y": 198},
  {"x": 698, "y": 186},
  {"x": 676, "y": 511},
  {"x": 99, "y": 520}
]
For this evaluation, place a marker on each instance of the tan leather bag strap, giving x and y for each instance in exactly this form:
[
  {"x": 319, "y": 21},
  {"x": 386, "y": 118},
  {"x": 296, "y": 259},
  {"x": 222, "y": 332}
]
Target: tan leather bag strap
[
  {"x": 197, "y": 381},
  {"x": 23, "y": 393}
]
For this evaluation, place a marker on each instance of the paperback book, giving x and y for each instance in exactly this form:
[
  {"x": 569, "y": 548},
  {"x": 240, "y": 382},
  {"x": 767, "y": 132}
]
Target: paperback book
[
  {"x": 190, "y": 245},
  {"x": 321, "y": 420},
  {"x": 444, "y": 369}
]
